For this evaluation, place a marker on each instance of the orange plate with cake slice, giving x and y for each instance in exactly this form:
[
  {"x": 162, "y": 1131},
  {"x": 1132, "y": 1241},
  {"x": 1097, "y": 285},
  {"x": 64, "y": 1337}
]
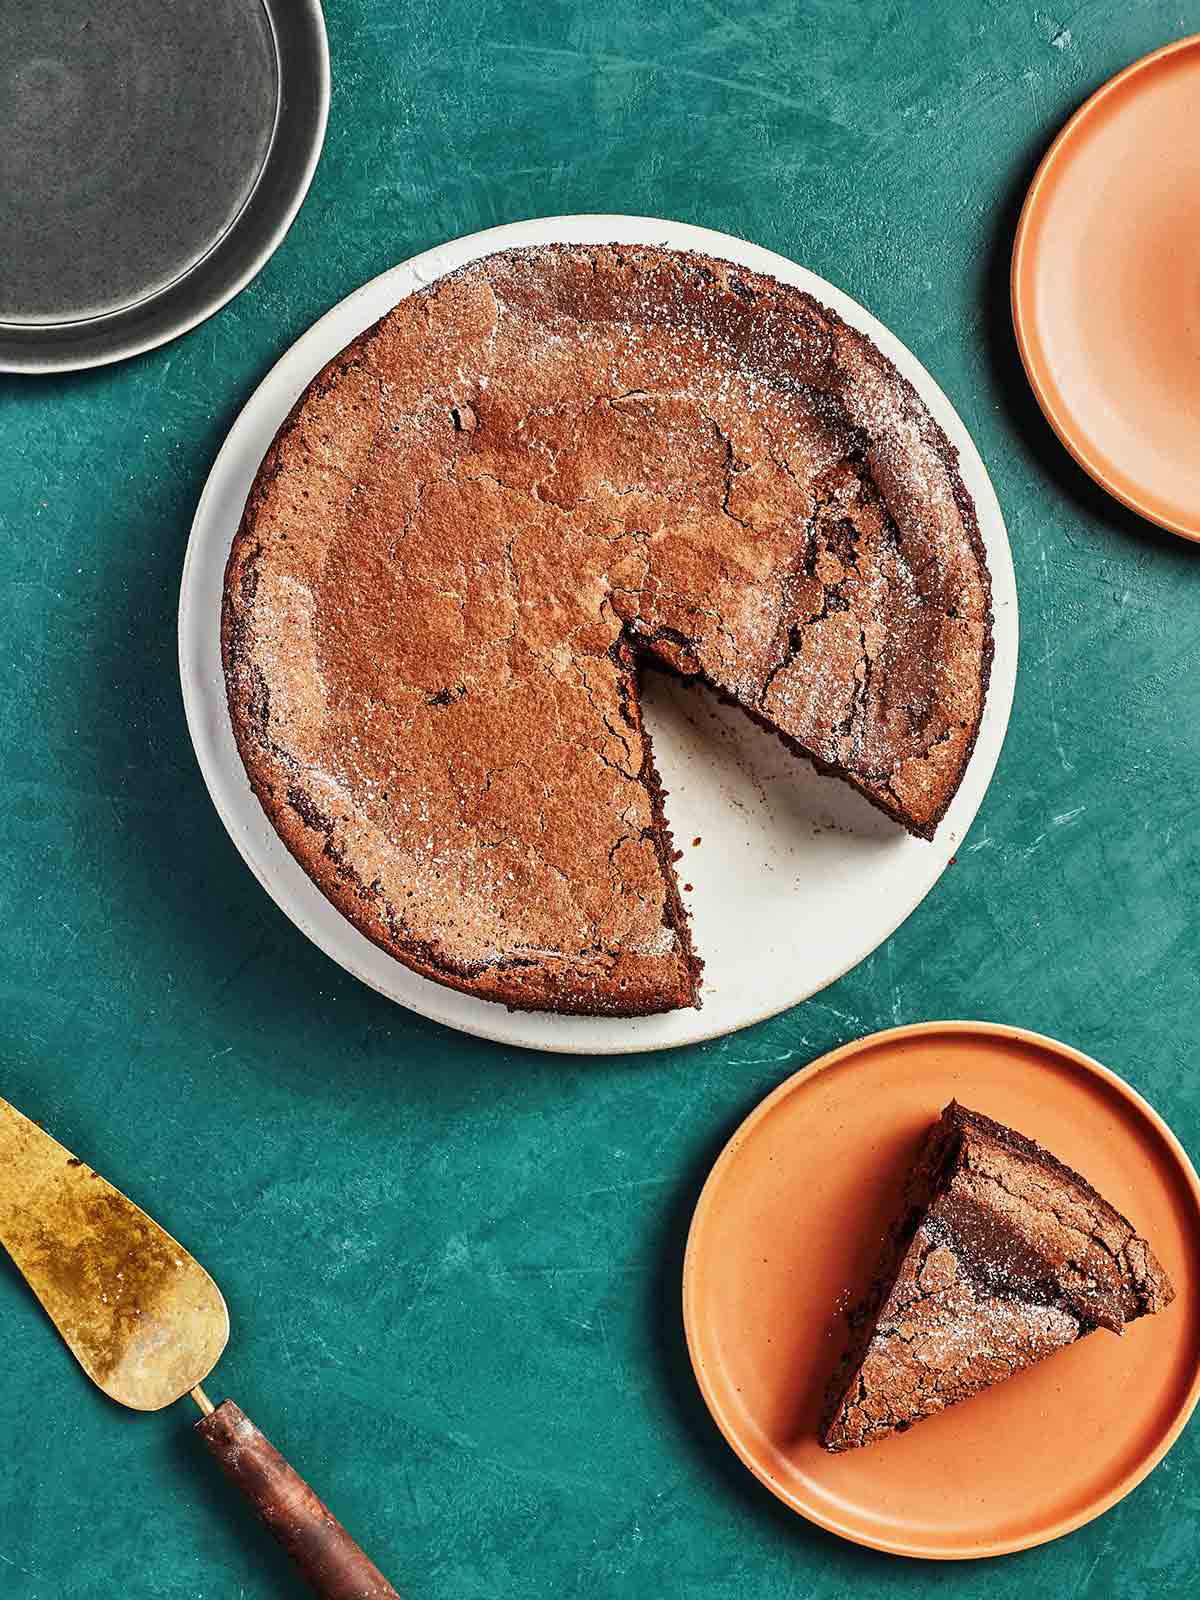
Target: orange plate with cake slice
[{"x": 787, "y": 1237}]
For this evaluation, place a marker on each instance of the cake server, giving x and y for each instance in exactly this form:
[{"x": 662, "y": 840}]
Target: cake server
[{"x": 147, "y": 1324}]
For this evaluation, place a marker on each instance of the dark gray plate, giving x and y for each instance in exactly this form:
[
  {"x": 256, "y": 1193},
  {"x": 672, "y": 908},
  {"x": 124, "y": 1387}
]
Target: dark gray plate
[{"x": 152, "y": 156}]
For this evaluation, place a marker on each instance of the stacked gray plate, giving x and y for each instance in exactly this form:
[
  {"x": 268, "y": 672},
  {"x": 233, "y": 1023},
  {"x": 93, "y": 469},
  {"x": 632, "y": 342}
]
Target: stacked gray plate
[{"x": 152, "y": 157}]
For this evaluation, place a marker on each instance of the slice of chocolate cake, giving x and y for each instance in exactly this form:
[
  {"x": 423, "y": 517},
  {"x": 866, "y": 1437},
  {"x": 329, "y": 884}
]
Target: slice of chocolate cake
[{"x": 1004, "y": 1256}]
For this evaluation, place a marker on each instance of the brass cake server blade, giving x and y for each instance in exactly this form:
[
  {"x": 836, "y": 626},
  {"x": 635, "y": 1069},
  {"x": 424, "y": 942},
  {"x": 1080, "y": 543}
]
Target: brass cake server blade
[{"x": 147, "y": 1324}]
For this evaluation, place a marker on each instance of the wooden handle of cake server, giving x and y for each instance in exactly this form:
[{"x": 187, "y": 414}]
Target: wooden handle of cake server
[{"x": 335, "y": 1567}]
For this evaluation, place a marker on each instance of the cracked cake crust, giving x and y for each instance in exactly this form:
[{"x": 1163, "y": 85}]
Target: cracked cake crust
[
  {"x": 1004, "y": 1255},
  {"x": 476, "y": 522}
]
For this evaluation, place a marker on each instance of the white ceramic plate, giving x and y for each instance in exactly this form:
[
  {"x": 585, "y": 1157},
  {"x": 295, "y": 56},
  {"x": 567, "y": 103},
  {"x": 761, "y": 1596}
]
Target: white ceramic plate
[{"x": 796, "y": 878}]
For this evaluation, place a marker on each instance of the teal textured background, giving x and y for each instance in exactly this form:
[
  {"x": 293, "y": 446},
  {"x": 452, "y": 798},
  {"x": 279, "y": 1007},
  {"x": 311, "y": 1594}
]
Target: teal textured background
[{"x": 453, "y": 1268}]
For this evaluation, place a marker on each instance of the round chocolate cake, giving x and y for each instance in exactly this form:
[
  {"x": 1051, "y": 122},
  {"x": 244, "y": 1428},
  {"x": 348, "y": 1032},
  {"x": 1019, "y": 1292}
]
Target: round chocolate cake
[{"x": 535, "y": 474}]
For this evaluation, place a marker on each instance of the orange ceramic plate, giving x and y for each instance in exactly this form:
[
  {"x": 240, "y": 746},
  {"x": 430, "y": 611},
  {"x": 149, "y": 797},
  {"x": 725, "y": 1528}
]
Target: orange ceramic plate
[
  {"x": 1106, "y": 286},
  {"x": 787, "y": 1234}
]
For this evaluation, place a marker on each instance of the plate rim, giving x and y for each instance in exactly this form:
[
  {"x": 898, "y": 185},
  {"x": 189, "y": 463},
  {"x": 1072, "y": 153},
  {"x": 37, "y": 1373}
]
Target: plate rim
[
  {"x": 291, "y": 372},
  {"x": 37, "y": 363},
  {"x": 797, "y": 1080},
  {"x": 1021, "y": 293}
]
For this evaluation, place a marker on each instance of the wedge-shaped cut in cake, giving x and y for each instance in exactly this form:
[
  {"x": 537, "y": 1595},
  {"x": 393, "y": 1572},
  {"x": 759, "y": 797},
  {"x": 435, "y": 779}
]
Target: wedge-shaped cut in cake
[{"x": 1002, "y": 1255}]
